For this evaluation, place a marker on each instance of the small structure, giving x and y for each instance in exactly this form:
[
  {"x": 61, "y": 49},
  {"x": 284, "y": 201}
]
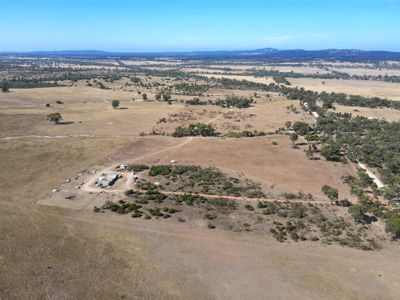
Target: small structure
[
  {"x": 315, "y": 114},
  {"x": 107, "y": 179}
]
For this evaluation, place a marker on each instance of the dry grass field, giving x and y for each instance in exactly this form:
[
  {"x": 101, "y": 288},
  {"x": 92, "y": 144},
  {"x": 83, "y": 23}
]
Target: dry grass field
[
  {"x": 52, "y": 253},
  {"x": 262, "y": 160},
  {"x": 388, "y": 114},
  {"x": 381, "y": 89},
  {"x": 72, "y": 254},
  {"x": 265, "y": 80},
  {"x": 54, "y": 248}
]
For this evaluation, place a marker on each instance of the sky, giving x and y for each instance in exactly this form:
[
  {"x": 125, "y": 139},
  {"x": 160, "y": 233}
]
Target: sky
[{"x": 184, "y": 25}]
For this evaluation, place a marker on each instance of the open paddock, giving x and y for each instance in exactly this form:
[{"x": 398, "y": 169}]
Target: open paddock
[{"x": 366, "y": 88}]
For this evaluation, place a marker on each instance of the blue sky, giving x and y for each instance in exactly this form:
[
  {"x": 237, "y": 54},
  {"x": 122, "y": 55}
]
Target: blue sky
[{"x": 156, "y": 25}]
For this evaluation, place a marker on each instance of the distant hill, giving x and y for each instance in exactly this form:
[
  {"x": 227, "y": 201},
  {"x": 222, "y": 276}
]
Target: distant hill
[{"x": 263, "y": 54}]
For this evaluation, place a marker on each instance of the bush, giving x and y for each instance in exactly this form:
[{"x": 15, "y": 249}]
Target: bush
[
  {"x": 155, "y": 212},
  {"x": 245, "y": 133},
  {"x": 189, "y": 199},
  {"x": 137, "y": 168},
  {"x": 222, "y": 203},
  {"x": 262, "y": 204},
  {"x": 210, "y": 226},
  {"x": 210, "y": 216},
  {"x": 330, "y": 192},
  {"x": 54, "y": 117},
  {"x": 249, "y": 207},
  {"x": 137, "y": 214},
  {"x": 294, "y": 236},
  {"x": 115, "y": 104},
  {"x": 129, "y": 192},
  {"x": 156, "y": 196},
  {"x": 393, "y": 225},
  {"x": 160, "y": 170}
]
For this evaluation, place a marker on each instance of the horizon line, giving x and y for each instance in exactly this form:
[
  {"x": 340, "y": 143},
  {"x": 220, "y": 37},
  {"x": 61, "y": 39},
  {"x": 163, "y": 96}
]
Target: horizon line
[{"x": 196, "y": 50}]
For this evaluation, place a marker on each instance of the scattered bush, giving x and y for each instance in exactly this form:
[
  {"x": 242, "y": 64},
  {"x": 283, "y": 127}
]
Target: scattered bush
[{"x": 137, "y": 168}]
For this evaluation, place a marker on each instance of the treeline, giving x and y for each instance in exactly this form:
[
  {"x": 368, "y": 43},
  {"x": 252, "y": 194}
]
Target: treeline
[
  {"x": 207, "y": 130},
  {"x": 234, "y": 101},
  {"x": 332, "y": 75},
  {"x": 229, "y": 102},
  {"x": 199, "y": 129},
  {"x": 307, "y": 96},
  {"x": 245, "y": 133},
  {"x": 26, "y": 84}
]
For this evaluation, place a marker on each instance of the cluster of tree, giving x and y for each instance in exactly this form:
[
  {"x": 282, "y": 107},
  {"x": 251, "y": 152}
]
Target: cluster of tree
[
  {"x": 191, "y": 89},
  {"x": 373, "y": 142},
  {"x": 164, "y": 95},
  {"x": 245, "y": 133},
  {"x": 302, "y": 128},
  {"x": 228, "y": 102},
  {"x": 197, "y": 101},
  {"x": 234, "y": 101},
  {"x": 281, "y": 80},
  {"x": 199, "y": 129}
]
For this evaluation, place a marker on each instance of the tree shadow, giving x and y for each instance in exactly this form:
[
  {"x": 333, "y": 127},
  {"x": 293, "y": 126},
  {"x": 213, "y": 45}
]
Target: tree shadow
[
  {"x": 122, "y": 108},
  {"x": 65, "y": 123}
]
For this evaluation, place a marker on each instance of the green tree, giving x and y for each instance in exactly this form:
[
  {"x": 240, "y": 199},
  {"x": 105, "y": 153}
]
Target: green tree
[
  {"x": 293, "y": 137},
  {"x": 309, "y": 152},
  {"x": 301, "y": 128},
  {"x": 331, "y": 152},
  {"x": 330, "y": 192},
  {"x": 393, "y": 225},
  {"x": 166, "y": 95},
  {"x": 5, "y": 88},
  {"x": 115, "y": 104},
  {"x": 54, "y": 117},
  {"x": 144, "y": 96}
]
